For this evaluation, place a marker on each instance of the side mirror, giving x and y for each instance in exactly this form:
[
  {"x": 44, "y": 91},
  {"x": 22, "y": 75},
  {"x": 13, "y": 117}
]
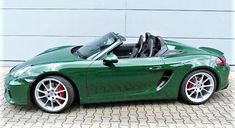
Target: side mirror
[{"x": 110, "y": 59}]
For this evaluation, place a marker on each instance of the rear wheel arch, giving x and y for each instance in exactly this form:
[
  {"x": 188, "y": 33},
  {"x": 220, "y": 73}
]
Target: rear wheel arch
[
  {"x": 40, "y": 77},
  {"x": 202, "y": 68},
  {"x": 212, "y": 71},
  {"x": 198, "y": 70}
]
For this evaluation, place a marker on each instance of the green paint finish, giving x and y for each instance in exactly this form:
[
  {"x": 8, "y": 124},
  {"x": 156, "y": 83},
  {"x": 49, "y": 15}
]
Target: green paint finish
[
  {"x": 127, "y": 79},
  {"x": 18, "y": 90}
]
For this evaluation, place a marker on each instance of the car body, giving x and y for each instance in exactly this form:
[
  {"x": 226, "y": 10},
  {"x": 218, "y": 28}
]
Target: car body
[{"x": 107, "y": 73}]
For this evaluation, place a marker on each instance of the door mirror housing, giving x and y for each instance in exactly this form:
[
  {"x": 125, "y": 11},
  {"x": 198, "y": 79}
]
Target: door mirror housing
[{"x": 110, "y": 59}]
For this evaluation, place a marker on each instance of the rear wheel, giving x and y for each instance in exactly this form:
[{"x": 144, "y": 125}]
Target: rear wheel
[
  {"x": 198, "y": 87},
  {"x": 53, "y": 94}
]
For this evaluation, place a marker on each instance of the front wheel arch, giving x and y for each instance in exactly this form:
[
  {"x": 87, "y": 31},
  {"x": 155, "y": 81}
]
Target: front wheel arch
[{"x": 40, "y": 77}]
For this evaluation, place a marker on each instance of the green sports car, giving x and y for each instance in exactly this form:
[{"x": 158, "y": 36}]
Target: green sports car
[{"x": 106, "y": 70}]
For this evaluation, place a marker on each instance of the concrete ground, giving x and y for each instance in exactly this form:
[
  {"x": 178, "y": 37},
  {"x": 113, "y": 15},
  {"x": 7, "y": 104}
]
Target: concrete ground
[{"x": 219, "y": 111}]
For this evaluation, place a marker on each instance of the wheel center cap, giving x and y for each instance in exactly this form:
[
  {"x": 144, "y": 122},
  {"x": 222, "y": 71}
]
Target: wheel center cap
[
  {"x": 198, "y": 87},
  {"x": 51, "y": 93}
]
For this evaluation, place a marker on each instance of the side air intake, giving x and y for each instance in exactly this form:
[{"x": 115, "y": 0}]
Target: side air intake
[{"x": 166, "y": 76}]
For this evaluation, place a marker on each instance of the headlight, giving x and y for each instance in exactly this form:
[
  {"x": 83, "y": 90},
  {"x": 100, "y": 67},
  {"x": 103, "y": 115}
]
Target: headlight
[{"x": 20, "y": 71}]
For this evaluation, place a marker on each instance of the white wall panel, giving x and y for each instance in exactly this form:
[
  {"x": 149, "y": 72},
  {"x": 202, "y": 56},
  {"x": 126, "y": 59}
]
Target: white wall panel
[
  {"x": 32, "y": 26},
  {"x": 180, "y": 24},
  {"x": 182, "y": 4},
  {"x": 120, "y": 4},
  {"x": 98, "y": 4},
  {"x": 95, "y": 23},
  {"x": 24, "y": 48},
  {"x": 62, "y": 22}
]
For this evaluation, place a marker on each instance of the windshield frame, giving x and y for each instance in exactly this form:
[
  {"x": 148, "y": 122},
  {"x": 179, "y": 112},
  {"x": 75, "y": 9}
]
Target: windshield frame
[
  {"x": 96, "y": 46},
  {"x": 98, "y": 55},
  {"x": 107, "y": 50}
]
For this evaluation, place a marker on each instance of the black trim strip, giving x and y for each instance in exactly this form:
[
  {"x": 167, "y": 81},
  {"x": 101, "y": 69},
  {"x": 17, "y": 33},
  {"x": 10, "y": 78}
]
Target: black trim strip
[
  {"x": 25, "y": 60},
  {"x": 26, "y": 35},
  {"x": 217, "y": 38},
  {"x": 119, "y": 9},
  {"x": 13, "y": 60},
  {"x": 49, "y": 35}
]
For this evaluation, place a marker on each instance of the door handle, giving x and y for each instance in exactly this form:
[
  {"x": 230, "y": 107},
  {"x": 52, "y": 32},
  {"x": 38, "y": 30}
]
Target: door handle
[{"x": 154, "y": 68}]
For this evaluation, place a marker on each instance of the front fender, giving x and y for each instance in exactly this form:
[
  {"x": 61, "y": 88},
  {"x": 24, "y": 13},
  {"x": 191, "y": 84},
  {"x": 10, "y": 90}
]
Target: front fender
[{"x": 72, "y": 71}]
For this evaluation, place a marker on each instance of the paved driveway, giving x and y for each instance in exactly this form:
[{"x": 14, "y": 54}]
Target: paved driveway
[{"x": 218, "y": 112}]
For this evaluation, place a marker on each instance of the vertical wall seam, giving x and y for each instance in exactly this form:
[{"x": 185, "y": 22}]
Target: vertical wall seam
[{"x": 125, "y": 15}]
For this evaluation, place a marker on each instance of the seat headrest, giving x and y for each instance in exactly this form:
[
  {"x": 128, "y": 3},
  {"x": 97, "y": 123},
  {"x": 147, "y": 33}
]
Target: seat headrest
[
  {"x": 147, "y": 36},
  {"x": 161, "y": 40},
  {"x": 150, "y": 43},
  {"x": 141, "y": 40}
]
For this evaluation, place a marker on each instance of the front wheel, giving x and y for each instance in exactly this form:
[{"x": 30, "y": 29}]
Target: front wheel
[
  {"x": 198, "y": 86},
  {"x": 53, "y": 94}
]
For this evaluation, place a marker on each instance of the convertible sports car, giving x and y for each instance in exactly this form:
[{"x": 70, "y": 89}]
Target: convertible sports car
[{"x": 106, "y": 70}]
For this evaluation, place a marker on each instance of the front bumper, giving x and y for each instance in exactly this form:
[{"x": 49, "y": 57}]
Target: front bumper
[{"x": 17, "y": 90}]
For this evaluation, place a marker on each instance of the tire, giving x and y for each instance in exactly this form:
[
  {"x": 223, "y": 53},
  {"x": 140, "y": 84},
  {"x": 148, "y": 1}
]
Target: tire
[
  {"x": 53, "y": 94},
  {"x": 198, "y": 86}
]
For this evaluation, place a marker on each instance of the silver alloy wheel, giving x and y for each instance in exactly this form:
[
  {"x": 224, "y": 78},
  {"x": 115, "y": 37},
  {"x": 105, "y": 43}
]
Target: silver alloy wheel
[
  {"x": 199, "y": 87},
  {"x": 51, "y": 94}
]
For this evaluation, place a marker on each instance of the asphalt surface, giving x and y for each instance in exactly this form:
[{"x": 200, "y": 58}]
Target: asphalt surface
[{"x": 219, "y": 112}]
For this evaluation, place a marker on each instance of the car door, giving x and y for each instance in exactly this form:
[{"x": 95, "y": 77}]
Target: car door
[{"x": 127, "y": 77}]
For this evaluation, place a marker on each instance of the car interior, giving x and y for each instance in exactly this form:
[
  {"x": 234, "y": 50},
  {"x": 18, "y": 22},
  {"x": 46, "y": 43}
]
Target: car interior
[
  {"x": 147, "y": 46},
  {"x": 150, "y": 47}
]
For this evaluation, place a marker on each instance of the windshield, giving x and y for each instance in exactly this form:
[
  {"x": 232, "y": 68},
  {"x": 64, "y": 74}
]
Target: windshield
[{"x": 97, "y": 45}]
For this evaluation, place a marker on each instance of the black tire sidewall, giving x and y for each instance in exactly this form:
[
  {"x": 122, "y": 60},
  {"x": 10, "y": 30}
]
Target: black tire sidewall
[
  {"x": 67, "y": 85},
  {"x": 183, "y": 86}
]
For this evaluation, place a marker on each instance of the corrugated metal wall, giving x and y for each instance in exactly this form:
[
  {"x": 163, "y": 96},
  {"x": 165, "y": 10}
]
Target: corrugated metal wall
[{"x": 31, "y": 26}]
